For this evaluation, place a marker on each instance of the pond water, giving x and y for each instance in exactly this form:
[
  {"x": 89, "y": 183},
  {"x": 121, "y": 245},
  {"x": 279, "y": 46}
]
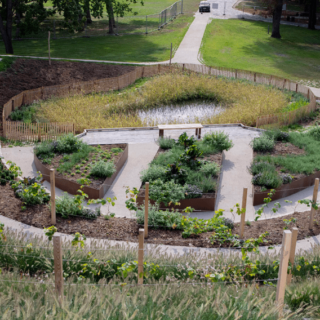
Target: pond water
[{"x": 187, "y": 112}]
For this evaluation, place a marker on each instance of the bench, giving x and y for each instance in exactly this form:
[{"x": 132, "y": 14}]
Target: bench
[{"x": 196, "y": 126}]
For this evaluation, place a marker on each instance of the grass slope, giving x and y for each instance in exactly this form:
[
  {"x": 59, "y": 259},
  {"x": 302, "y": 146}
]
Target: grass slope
[
  {"x": 133, "y": 48},
  {"x": 247, "y": 45}
]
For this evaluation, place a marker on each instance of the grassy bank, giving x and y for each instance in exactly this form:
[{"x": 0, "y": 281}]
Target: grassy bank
[
  {"x": 132, "y": 48},
  {"x": 247, "y": 45},
  {"x": 243, "y": 102}
]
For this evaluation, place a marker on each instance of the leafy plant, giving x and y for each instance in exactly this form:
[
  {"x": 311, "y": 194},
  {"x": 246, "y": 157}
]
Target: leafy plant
[
  {"x": 218, "y": 140},
  {"x": 153, "y": 173},
  {"x": 116, "y": 150},
  {"x": 315, "y": 132},
  {"x": 165, "y": 143},
  {"x": 31, "y": 195},
  {"x": 189, "y": 157},
  {"x": 103, "y": 169},
  {"x": 131, "y": 196},
  {"x": 67, "y": 144},
  {"x": 49, "y": 232},
  {"x": 185, "y": 141},
  {"x": 166, "y": 192},
  {"x": 210, "y": 168},
  {"x": 193, "y": 191},
  {"x": 286, "y": 178},
  {"x": 267, "y": 179},
  {"x": 262, "y": 144},
  {"x": 288, "y": 222},
  {"x": 176, "y": 173},
  {"x": 84, "y": 181}
]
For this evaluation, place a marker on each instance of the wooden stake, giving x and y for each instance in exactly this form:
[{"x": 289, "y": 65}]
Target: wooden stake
[
  {"x": 53, "y": 196},
  {"x": 292, "y": 252},
  {"x": 140, "y": 256},
  {"x": 314, "y": 199},
  {"x": 146, "y": 211},
  {"x": 58, "y": 269},
  {"x": 170, "y": 54},
  {"x": 49, "y": 48},
  {"x": 283, "y": 268},
  {"x": 243, "y": 215}
]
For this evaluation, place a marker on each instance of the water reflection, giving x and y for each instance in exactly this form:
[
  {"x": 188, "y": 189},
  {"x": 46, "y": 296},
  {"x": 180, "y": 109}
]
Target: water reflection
[{"x": 188, "y": 112}]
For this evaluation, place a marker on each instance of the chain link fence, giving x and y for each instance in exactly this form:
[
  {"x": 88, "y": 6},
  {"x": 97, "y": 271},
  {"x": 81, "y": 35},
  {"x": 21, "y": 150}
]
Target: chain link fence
[{"x": 100, "y": 27}]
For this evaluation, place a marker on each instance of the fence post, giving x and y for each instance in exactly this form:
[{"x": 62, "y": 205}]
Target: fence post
[
  {"x": 243, "y": 215},
  {"x": 140, "y": 256},
  {"x": 292, "y": 252},
  {"x": 146, "y": 211},
  {"x": 39, "y": 132},
  {"x": 58, "y": 268},
  {"x": 283, "y": 268},
  {"x": 53, "y": 196},
  {"x": 12, "y": 105},
  {"x": 314, "y": 199},
  {"x": 49, "y": 48}
]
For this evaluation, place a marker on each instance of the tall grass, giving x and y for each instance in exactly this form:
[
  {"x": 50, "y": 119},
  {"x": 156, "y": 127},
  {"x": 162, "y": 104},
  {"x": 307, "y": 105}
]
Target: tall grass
[{"x": 244, "y": 102}]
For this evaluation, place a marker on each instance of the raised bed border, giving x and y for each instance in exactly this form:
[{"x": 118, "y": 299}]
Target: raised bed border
[
  {"x": 72, "y": 187},
  {"x": 286, "y": 189},
  {"x": 199, "y": 204}
]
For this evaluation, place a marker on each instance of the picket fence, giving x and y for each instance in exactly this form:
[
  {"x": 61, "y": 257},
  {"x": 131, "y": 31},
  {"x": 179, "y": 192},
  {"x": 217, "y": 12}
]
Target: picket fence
[{"x": 21, "y": 131}]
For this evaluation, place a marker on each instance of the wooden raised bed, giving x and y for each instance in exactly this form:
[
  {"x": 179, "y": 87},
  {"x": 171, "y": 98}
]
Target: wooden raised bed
[
  {"x": 72, "y": 187},
  {"x": 205, "y": 203},
  {"x": 286, "y": 189}
]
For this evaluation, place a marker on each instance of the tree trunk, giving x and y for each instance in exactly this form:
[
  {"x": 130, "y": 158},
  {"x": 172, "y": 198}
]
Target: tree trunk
[
  {"x": 6, "y": 31},
  {"x": 89, "y": 20},
  {"x": 276, "y": 20},
  {"x": 110, "y": 16},
  {"x": 312, "y": 15},
  {"x": 18, "y": 17}
]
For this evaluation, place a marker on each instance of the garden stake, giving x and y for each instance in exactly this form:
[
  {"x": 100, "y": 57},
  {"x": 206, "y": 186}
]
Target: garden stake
[
  {"x": 283, "y": 268},
  {"x": 292, "y": 252},
  {"x": 58, "y": 269},
  {"x": 314, "y": 199},
  {"x": 146, "y": 211},
  {"x": 140, "y": 256},
  {"x": 53, "y": 196},
  {"x": 243, "y": 215}
]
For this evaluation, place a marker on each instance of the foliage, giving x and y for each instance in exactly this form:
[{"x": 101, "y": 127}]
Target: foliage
[
  {"x": 153, "y": 173},
  {"x": 26, "y": 114},
  {"x": 78, "y": 240},
  {"x": 286, "y": 178},
  {"x": 189, "y": 157},
  {"x": 315, "y": 133},
  {"x": 131, "y": 196},
  {"x": 185, "y": 141},
  {"x": 49, "y": 232},
  {"x": 32, "y": 194},
  {"x": 288, "y": 222},
  {"x": 218, "y": 140},
  {"x": 167, "y": 192},
  {"x": 210, "y": 168},
  {"x": 165, "y": 143},
  {"x": 262, "y": 144},
  {"x": 84, "y": 181},
  {"x": 67, "y": 144},
  {"x": 176, "y": 173},
  {"x": 14, "y": 169},
  {"x": 103, "y": 169},
  {"x": 267, "y": 179},
  {"x": 193, "y": 191}
]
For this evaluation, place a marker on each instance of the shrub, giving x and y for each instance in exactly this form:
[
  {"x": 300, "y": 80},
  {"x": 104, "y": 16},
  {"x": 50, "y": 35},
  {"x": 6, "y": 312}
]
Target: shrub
[
  {"x": 277, "y": 135},
  {"x": 267, "y": 179},
  {"x": 153, "y": 173},
  {"x": 219, "y": 140},
  {"x": 189, "y": 157},
  {"x": 185, "y": 141},
  {"x": 175, "y": 172},
  {"x": 67, "y": 144},
  {"x": 258, "y": 167},
  {"x": 206, "y": 184},
  {"x": 33, "y": 194},
  {"x": 315, "y": 133},
  {"x": 165, "y": 143},
  {"x": 116, "y": 150},
  {"x": 166, "y": 192},
  {"x": 286, "y": 178},
  {"x": 210, "y": 168},
  {"x": 103, "y": 169},
  {"x": 168, "y": 157},
  {"x": 228, "y": 222},
  {"x": 262, "y": 144},
  {"x": 44, "y": 150},
  {"x": 193, "y": 191}
]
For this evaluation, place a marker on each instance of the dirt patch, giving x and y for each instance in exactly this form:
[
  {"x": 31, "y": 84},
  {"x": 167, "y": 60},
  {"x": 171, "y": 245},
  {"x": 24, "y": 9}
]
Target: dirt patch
[
  {"x": 84, "y": 168},
  {"x": 27, "y": 74},
  {"x": 128, "y": 230}
]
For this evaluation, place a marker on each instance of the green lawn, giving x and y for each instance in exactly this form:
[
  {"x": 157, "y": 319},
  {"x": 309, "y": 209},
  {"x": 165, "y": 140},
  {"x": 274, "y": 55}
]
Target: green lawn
[
  {"x": 132, "y": 48},
  {"x": 248, "y": 46}
]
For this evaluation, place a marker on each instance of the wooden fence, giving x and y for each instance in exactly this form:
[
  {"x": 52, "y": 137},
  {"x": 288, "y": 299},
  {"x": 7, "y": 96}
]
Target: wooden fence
[{"x": 50, "y": 131}]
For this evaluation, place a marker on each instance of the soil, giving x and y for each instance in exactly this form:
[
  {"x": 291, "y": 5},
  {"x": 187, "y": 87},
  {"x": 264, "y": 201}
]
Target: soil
[
  {"x": 217, "y": 158},
  {"x": 283, "y": 149},
  {"x": 95, "y": 181},
  {"x": 128, "y": 230},
  {"x": 27, "y": 74}
]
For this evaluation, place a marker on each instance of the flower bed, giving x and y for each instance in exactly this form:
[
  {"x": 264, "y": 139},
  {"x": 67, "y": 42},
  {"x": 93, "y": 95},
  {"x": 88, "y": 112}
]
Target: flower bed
[
  {"x": 185, "y": 173},
  {"x": 76, "y": 164},
  {"x": 285, "y": 162}
]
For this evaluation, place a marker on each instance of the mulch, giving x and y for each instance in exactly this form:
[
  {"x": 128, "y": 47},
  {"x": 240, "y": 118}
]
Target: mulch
[
  {"x": 125, "y": 229},
  {"x": 27, "y": 74}
]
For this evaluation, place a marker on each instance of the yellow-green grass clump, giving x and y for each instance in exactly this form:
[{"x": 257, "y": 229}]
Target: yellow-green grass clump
[{"x": 244, "y": 102}]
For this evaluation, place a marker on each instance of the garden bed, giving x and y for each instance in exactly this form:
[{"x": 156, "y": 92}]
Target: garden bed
[
  {"x": 128, "y": 229},
  {"x": 204, "y": 203},
  {"x": 69, "y": 181},
  {"x": 299, "y": 179}
]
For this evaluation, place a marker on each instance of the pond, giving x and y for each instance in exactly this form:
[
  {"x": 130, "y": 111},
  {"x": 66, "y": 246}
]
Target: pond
[{"x": 187, "y": 112}]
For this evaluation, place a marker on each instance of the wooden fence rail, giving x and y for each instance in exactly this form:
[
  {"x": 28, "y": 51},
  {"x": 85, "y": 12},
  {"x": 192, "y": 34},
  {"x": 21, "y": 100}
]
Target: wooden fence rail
[{"x": 43, "y": 131}]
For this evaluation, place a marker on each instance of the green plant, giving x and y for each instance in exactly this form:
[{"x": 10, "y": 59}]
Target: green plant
[
  {"x": 219, "y": 140},
  {"x": 206, "y": 184},
  {"x": 165, "y": 143},
  {"x": 103, "y": 169},
  {"x": 32, "y": 194},
  {"x": 116, "y": 150},
  {"x": 78, "y": 240},
  {"x": 288, "y": 222},
  {"x": 77, "y": 167},
  {"x": 189, "y": 157},
  {"x": 315, "y": 132},
  {"x": 193, "y": 191},
  {"x": 185, "y": 141},
  {"x": 84, "y": 181},
  {"x": 49, "y": 232},
  {"x": 176, "y": 173},
  {"x": 210, "y": 168},
  {"x": 263, "y": 144},
  {"x": 78, "y": 171},
  {"x": 14, "y": 169},
  {"x": 166, "y": 192},
  {"x": 72, "y": 174},
  {"x": 154, "y": 172},
  {"x": 259, "y": 167},
  {"x": 131, "y": 196},
  {"x": 67, "y": 144},
  {"x": 248, "y": 223}
]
